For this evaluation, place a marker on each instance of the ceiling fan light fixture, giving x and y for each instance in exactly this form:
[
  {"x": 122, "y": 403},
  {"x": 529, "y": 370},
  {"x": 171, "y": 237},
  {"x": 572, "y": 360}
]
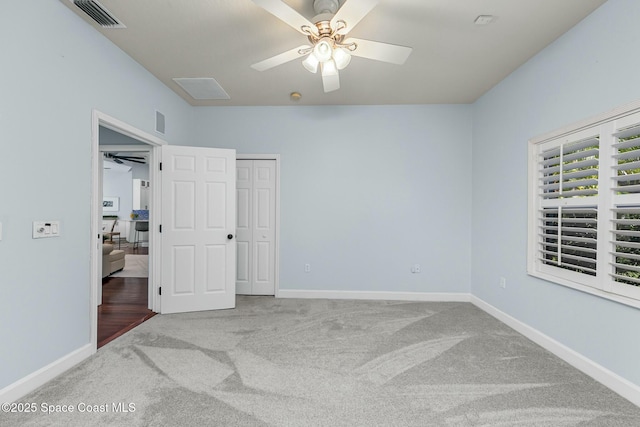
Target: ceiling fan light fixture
[
  {"x": 341, "y": 57},
  {"x": 311, "y": 63},
  {"x": 329, "y": 68},
  {"x": 323, "y": 50}
]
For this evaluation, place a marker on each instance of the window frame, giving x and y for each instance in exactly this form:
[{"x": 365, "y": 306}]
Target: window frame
[{"x": 604, "y": 125}]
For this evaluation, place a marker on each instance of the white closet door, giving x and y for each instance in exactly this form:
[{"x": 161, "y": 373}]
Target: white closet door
[
  {"x": 256, "y": 223},
  {"x": 244, "y": 232}
]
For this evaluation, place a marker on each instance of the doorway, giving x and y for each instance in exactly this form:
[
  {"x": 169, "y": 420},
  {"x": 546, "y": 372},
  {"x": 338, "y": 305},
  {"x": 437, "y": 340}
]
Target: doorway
[
  {"x": 110, "y": 135},
  {"x": 126, "y": 201}
]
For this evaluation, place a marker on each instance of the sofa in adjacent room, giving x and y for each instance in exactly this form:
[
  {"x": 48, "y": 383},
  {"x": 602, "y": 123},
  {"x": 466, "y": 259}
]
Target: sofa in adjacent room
[{"x": 112, "y": 259}]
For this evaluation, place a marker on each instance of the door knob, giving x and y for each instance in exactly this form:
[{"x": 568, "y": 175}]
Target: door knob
[{"x": 229, "y": 236}]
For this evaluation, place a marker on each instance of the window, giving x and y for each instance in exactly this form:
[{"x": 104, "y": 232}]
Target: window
[{"x": 584, "y": 215}]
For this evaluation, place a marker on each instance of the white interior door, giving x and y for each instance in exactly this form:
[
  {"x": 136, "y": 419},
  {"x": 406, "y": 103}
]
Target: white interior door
[
  {"x": 198, "y": 229},
  {"x": 256, "y": 226}
]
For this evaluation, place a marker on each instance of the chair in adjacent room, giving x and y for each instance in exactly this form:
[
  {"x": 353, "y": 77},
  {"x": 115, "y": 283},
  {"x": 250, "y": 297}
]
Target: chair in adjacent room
[
  {"x": 140, "y": 227},
  {"x": 111, "y": 234}
]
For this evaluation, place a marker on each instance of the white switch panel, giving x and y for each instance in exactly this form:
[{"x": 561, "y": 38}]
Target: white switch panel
[{"x": 42, "y": 229}]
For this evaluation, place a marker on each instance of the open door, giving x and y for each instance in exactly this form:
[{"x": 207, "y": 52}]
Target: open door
[{"x": 198, "y": 261}]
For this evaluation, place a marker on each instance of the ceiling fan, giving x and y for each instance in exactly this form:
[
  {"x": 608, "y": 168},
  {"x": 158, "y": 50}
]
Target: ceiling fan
[
  {"x": 121, "y": 159},
  {"x": 329, "y": 49}
]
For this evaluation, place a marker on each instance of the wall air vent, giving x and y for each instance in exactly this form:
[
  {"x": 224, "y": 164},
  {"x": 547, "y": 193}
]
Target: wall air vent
[{"x": 99, "y": 13}]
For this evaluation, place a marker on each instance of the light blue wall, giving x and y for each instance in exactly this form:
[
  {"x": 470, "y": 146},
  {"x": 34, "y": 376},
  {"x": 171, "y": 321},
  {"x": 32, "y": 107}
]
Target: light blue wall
[
  {"x": 591, "y": 69},
  {"x": 55, "y": 70},
  {"x": 366, "y": 192}
]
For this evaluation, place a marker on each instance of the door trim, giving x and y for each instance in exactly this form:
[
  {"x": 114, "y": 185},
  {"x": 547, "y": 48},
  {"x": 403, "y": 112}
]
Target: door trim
[
  {"x": 275, "y": 157},
  {"x": 154, "y": 143}
]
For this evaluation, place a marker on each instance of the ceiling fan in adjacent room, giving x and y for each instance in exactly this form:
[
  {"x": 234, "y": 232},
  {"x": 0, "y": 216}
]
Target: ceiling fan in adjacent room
[
  {"x": 121, "y": 159},
  {"x": 329, "y": 50}
]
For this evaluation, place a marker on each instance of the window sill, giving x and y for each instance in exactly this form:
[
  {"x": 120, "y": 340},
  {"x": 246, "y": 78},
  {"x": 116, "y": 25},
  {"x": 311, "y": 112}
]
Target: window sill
[{"x": 587, "y": 289}]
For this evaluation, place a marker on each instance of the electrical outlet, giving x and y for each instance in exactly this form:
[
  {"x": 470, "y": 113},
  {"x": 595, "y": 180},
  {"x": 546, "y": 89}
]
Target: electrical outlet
[
  {"x": 307, "y": 268},
  {"x": 415, "y": 268},
  {"x": 503, "y": 282}
]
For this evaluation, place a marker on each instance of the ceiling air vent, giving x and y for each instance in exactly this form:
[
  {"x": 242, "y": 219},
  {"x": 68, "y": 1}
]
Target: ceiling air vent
[{"x": 99, "y": 13}]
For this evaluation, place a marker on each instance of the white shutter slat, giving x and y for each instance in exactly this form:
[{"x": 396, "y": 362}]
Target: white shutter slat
[
  {"x": 626, "y": 255},
  {"x": 589, "y": 192},
  {"x": 627, "y": 233},
  {"x": 580, "y": 239},
  {"x": 628, "y": 143},
  {"x": 627, "y": 132},
  {"x": 628, "y": 245},
  {"x": 627, "y": 188},
  {"x": 627, "y": 155},
  {"x": 627, "y": 267},
  {"x": 569, "y": 161},
  {"x": 634, "y": 210},
  {"x": 578, "y": 155},
  {"x": 630, "y": 177},
  {"x": 627, "y": 166},
  {"x": 625, "y": 278},
  {"x": 571, "y": 184},
  {"x": 588, "y": 163},
  {"x": 625, "y": 221}
]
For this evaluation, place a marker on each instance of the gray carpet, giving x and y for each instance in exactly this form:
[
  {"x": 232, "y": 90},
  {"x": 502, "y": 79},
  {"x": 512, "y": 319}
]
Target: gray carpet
[{"x": 327, "y": 363}]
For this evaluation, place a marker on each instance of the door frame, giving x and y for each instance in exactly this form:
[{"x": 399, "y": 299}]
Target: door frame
[
  {"x": 154, "y": 143},
  {"x": 275, "y": 157}
]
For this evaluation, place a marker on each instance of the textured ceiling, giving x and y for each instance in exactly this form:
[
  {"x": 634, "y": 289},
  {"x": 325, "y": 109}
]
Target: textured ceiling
[{"x": 453, "y": 60}]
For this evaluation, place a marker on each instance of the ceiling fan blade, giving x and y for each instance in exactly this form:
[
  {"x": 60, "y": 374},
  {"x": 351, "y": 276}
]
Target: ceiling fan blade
[
  {"x": 130, "y": 157},
  {"x": 331, "y": 82},
  {"x": 136, "y": 161},
  {"x": 274, "y": 61},
  {"x": 352, "y": 12},
  {"x": 385, "y": 52},
  {"x": 291, "y": 17}
]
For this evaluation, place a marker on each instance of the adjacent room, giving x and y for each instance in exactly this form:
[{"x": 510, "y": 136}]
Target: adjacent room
[
  {"x": 126, "y": 196},
  {"x": 321, "y": 212}
]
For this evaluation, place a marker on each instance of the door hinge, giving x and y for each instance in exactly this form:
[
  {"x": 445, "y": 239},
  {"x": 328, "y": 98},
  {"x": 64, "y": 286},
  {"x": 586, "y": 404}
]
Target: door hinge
[
  {"x": 160, "y": 228},
  {"x": 160, "y": 165},
  {"x": 160, "y": 290}
]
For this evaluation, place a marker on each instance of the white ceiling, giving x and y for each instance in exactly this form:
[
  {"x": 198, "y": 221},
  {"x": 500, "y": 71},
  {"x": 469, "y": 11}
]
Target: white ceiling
[{"x": 453, "y": 60}]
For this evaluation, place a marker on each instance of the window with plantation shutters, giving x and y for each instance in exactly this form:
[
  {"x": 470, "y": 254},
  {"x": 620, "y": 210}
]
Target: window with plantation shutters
[
  {"x": 567, "y": 229},
  {"x": 570, "y": 170},
  {"x": 625, "y": 233},
  {"x": 568, "y": 238},
  {"x": 584, "y": 206}
]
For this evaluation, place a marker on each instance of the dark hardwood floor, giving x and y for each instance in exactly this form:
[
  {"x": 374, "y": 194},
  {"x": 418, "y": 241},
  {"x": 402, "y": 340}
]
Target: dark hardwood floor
[{"x": 124, "y": 304}]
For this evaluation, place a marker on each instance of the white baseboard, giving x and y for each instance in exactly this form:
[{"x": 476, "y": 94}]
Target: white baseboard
[
  {"x": 26, "y": 385},
  {"x": 374, "y": 295},
  {"x": 613, "y": 381}
]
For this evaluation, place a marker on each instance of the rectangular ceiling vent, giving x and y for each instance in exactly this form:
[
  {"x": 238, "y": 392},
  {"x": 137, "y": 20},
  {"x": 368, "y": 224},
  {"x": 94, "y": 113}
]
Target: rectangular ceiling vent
[{"x": 99, "y": 13}]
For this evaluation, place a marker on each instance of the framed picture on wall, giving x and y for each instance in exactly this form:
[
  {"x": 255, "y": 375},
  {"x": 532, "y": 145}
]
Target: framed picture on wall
[{"x": 110, "y": 204}]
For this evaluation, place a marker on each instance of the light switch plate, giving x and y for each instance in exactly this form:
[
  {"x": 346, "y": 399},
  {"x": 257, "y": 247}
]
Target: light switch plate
[{"x": 42, "y": 229}]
